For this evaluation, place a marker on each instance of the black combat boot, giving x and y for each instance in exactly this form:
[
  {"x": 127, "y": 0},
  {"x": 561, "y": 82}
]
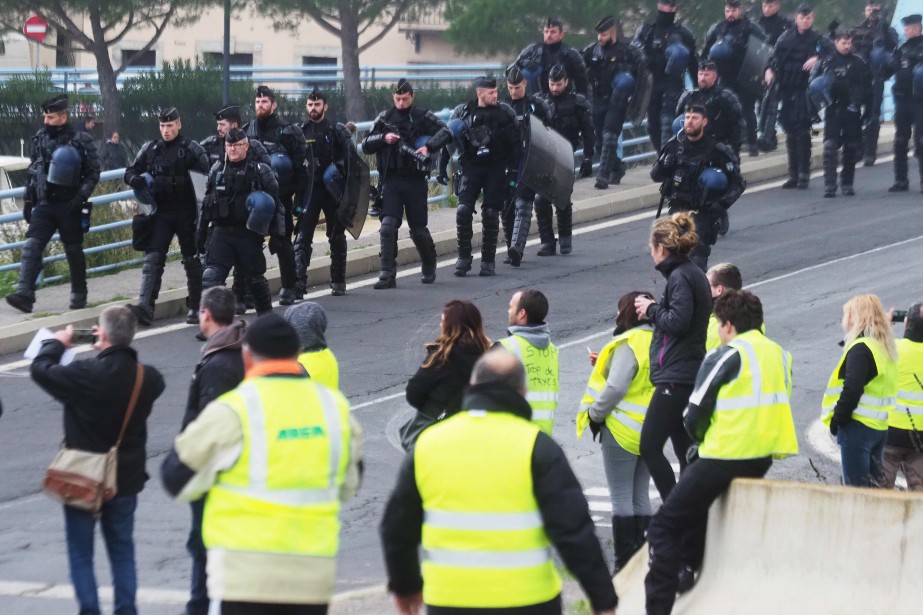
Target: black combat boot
[
  {"x": 151, "y": 272},
  {"x": 262, "y": 298},
  {"x": 566, "y": 227},
  {"x": 77, "y": 263},
  {"x": 464, "y": 232},
  {"x": 338, "y": 265},
  {"x": 30, "y": 266},
  {"x": 427, "y": 250},
  {"x": 901, "y": 184},
  {"x": 791, "y": 149},
  {"x": 623, "y": 538},
  {"x": 387, "y": 277},
  {"x": 490, "y": 228},
  {"x": 830, "y": 163},
  {"x": 545, "y": 218},
  {"x": 193, "y": 268},
  {"x": 804, "y": 159},
  {"x": 847, "y": 175},
  {"x": 302, "y": 262},
  {"x": 521, "y": 227}
]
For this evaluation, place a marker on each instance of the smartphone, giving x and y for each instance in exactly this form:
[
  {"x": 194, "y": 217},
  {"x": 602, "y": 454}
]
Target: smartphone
[{"x": 84, "y": 336}]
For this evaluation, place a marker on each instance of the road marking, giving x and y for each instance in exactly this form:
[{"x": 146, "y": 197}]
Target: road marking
[{"x": 598, "y": 501}]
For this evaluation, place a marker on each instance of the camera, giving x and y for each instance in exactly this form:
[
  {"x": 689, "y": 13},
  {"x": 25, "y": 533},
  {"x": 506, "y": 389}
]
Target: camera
[
  {"x": 84, "y": 336},
  {"x": 898, "y": 315}
]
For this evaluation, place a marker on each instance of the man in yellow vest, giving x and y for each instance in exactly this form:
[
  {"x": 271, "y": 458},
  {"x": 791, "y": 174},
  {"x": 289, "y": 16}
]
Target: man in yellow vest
[
  {"x": 740, "y": 415},
  {"x": 487, "y": 494},
  {"x": 721, "y": 277},
  {"x": 530, "y": 341},
  {"x": 276, "y": 456},
  {"x": 904, "y": 449}
]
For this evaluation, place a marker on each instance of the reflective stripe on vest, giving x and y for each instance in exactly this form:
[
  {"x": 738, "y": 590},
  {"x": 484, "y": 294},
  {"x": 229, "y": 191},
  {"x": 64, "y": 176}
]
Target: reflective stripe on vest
[
  {"x": 542, "y": 374},
  {"x": 753, "y": 416},
  {"x": 282, "y": 493},
  {"x": 625, "y": 420},
  {"x": 879, "y": 395},
  {"x": 483, "y": 534},
  {"x": 908, "y": 413}
]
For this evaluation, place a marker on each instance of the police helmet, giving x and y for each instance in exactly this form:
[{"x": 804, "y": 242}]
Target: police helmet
[
  {"x": 420, "y": 141},
  {"x": 678, "y": 123},
  {"x": 819, "y": 92},
  {"x": 145, "y": 195},
  {"x": 262, "y": 208},
  {"x": 722, "y": 51},
  {"x": 64, "y": 169},
  {"x": 532, "y": 73},
  {"x": 677, "y": 58},
  {"x": 334, "y": 182},
  {"x": 282, "y": 166},
  {"x": 879, "y": 58},
  {"x": 623, "y": 83},
  {"x": 713, "y": 181}
]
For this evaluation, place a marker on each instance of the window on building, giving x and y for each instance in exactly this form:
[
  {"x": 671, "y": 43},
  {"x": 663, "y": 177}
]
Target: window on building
[
  {"x": 148, "y": 58},
  {"x": 235, "y": 59},
  {"x": 312, "y": 80}
]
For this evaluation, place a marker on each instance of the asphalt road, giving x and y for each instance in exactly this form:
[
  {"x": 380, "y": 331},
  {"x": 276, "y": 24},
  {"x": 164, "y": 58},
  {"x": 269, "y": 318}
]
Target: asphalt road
[{"x": 802, "y": 254}]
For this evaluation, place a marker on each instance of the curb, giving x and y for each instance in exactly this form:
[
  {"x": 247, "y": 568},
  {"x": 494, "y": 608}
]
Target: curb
[{"x": 365, "y": 261}]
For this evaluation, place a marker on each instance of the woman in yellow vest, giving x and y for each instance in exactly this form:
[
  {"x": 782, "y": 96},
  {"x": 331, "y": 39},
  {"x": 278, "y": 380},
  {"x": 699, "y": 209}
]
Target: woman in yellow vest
[
  {"x": 862, "y": 391},
  {"x": 310, "y": 321},
  {"x": 613, "y": 407},
  {"x": 904, "y": 450}
]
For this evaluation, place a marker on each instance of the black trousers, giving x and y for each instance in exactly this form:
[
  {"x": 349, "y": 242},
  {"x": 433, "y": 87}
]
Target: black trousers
[
  {"x": 552, "y": 607},
  {"x": 486, "y": 178},
  {"x": 908, "y": 123},
  {"x": 842, "y": 129},
  {"x": 794, "y": 116},
  {"x": 661, "y": 111},
  {"x": 266, "y": 608},
  {"x": 321, "y": 201},
  {"x": 233, "y": 247},
  {"x": 607, "y": 118},
  {"x": 406, "y": 194},
  {"x": 676, "y": 535},
  {"x": 46, "y": 219},
  {"x": 168, "y": 225},
  {"x": 664, "y": 420}
]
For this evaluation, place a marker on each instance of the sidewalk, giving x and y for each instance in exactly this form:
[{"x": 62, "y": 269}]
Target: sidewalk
[{"x": 635, "y": 193}]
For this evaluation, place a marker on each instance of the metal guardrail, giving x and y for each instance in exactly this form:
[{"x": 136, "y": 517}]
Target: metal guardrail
[{"x": 127, "y": 195}]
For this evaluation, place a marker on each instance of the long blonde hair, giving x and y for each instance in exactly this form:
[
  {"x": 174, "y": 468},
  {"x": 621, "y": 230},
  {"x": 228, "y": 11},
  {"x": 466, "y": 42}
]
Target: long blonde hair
[{"x": 865, "y": 315}]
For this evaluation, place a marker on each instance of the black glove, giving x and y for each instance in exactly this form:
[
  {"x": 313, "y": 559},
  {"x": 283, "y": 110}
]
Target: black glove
[
  {"x": 137, "y": 182},
  {"x": 27, "y": 212},
  {"x": 667, "y": 161},
  {"x": 586, "y": 168},
  {"x": 275, "y": 244},
  {"x": 442, "y": 179},
  {"x": 836, "y": 422},
  {"x": 86, "y": 210},
  {"x": 201, "y": 238},
  {"x": 692, "y": 453},
  {"x": 596, "y": 428}
]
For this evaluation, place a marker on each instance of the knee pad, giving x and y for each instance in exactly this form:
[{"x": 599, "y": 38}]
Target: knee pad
[
  {"x": 389, "y": 226},
  {"x": 610, "y": 138},
  {"x": 542, "y": 206},
  {"x": 831, "y": 145},
  {"x": 418, "y": 234},
  {"x": 33, "y": 245},
  {"x": 464, "y": 212},
  {"x": 153, "y": 261},
  {"x": 212, "y": 276},
  {"x": 490, "y": 216}
]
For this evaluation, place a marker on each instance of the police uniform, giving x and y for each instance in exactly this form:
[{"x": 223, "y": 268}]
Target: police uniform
[
  {"x": 725, "y": 116},
  {"x": 282, "y": 140},
  {"x": 517, "y": 215},
  {"x": 169, "y": 163},
  {"x": 773, "y": 26},
  {"x": 63, "y": 173},
  {"x": 726, "y": 44},
  {"x": 572, "y": 117},
  {"x": 739, "y": 432},
  {"x": 608, "y": 67},
  {"x": 907, "y": 67},
  {"x": 403, "y": 181},
  {"x": 792, "y": 50},
  {"x": 874, "y": 41},
  {"x": 489, "y": 140},
  {"x": 680, "y": 167},
  {"x": 233, "y": 244},
  {"x": 850, "y": 81},
  {"x": 537, "y": 60},
  {"x": 669, "y": 48},
  {"x": 328, "y": 150}
]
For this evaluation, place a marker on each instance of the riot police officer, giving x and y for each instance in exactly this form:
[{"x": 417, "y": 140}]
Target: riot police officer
[
  {"x": 726, "y": 43},
  {"x": 488, "y": 136},
  {"x": 537, "y": 60},
  {"x": 517, "y": 215},
  {"x": 328, "y": 146},
  {"x": 795, "y": 54},
  {"x": 240, "y": 205},
  {"x": 701, "y": 175},
  {"x": 286, "y": 148},
  {"x": 874, "y": 41},
  {"x": 402, "y": 139},
  {"x": 63, "y": 173},
  {"x": 907, "y": 67},
  {"x": 669, "y": 48},
  {"x": 167, "y": 161},
  {"x": 843, "y": 79},
  {"x": 615, "y": 69},
  {"x": 725, "y": 117},
  {"x": 773, "y": 24},
  {"x": 572, "y": 117}
]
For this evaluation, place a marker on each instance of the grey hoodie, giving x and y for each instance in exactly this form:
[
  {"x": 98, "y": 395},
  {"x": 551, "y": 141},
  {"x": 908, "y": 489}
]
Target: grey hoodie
[
  {"x": 310, "y": 321},
  {"x": 537, "y": 335}
]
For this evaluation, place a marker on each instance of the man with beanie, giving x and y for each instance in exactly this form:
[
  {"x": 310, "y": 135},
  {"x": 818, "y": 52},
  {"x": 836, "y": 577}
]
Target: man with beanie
[
  {"x": 219, "y": 371},
  {"x": 487, "y": 522},
  {"x": 310, "y": 322},
  {"x": 276, "y": 456}
]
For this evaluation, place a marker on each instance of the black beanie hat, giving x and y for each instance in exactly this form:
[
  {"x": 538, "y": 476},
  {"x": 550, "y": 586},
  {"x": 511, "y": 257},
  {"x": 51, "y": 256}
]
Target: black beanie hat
[{"x": 272, "y": 337}]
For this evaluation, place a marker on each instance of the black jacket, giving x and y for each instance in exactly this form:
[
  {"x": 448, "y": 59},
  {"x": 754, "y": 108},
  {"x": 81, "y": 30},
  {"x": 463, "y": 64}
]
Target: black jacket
[
  {"x": 561, "y": 503},
  {"x": 720, "y": 367},
  {"x": 680, "y": 322},
  {"x": 738, "y": 34},
  {"x": 774, "y": 26},
  {"x": 545, "y": 57},
  {"x": 725, "y": 115},
  {"x": 682, "y": 161},
  {"x": 852, "y": 79},
  {"x": 858, "y": 370},
  {"x": 95, "y": 393},
  {"x": 437, "y": 389},
  {"x": 113, "y": 156},
  {"x": 792, "y": 50},
  {"x": 220, "y": 370}
]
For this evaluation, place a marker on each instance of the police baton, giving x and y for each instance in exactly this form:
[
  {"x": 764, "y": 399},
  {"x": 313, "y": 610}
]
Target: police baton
[{"x": 663, "y": 198}]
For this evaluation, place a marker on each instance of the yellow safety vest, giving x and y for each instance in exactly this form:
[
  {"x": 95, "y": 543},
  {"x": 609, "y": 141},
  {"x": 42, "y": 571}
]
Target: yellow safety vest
[
  {"x": 484, "y": 542},
  {"x": 322, "y": 366},
  {"x": 753, "y": 414},
  {"x": 282, "y": 493},
  {"x": 713, "y": 340},
  {"x": 626, "y": 418},
  {"x": 879, "y": 396},
  {"x": 542, "y": 374},
  {"x": 908, "y": 414}
]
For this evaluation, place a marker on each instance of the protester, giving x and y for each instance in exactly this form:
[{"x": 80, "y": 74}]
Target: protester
[
  {"x": 95, "y": 393},
  {"x": 310, "y": 321},
  {"x": 904, "y": 447}
]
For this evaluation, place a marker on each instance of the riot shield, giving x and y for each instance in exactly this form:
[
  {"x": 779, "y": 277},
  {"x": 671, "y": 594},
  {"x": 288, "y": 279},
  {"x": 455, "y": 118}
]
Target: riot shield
[
  {"x": 548, "y": 167},
  {"x": 354, "y": 207},
  {"x": 640, "y": 100},
  {"x": 198, "y": 185},
  {"x": 753, "y": 67}
]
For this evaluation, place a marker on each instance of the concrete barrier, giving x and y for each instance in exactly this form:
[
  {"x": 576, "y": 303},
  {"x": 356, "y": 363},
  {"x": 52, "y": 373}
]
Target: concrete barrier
[{"x": 776, "y": 547}]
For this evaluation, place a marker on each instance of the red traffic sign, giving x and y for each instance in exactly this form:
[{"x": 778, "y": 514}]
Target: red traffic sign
[{"x": 36, "y": 28}]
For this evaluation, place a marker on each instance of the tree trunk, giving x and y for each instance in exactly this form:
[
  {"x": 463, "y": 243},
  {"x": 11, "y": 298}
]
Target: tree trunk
[
  {"x": 349, "y": 46},
  {"x": 112, "y": 99}
]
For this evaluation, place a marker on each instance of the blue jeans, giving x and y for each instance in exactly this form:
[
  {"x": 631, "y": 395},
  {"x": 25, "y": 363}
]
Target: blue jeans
[
  {"x": 118, "y": 522},
  {"x": 861, "y": 453}
]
